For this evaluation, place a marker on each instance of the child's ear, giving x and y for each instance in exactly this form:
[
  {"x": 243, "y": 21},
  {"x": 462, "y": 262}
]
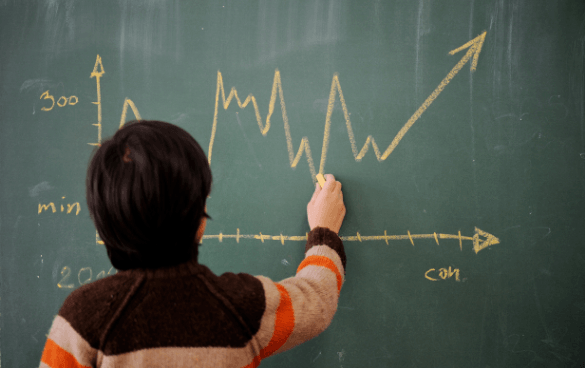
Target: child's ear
[{"x": 201, "y": 229}]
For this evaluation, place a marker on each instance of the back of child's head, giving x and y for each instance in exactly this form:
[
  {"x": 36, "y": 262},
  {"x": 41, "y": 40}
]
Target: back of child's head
[{"x": 146, "y": 193}]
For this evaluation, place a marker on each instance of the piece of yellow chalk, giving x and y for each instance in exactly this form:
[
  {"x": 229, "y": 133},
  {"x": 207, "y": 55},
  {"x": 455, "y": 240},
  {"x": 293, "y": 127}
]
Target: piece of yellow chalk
[{"x": 320, "y": 179}]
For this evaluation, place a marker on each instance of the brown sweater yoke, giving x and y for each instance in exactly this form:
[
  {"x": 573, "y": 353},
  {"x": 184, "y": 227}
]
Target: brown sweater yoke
[{"x": 139, "y": 317}]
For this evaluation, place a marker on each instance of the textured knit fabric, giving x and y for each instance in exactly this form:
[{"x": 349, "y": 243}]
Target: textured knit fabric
[{"x": 185, "y": 316}]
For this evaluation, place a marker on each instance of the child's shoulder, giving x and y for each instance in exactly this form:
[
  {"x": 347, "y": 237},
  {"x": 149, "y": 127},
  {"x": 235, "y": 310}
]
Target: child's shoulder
[
  {"x": 98, "y": 292},
  {"x": 88, "y": 306}
]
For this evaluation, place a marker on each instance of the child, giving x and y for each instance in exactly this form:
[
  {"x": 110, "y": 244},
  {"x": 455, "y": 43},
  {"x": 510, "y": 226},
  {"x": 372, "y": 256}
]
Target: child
[{"x": 146, "y": 192}]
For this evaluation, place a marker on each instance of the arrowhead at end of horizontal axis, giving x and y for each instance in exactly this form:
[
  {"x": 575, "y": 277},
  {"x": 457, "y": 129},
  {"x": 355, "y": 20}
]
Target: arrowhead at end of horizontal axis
[{"x": 488, "y": 239}]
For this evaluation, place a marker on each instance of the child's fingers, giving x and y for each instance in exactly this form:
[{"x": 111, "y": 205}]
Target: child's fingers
[
  {"x": 338, "y": 187},
  {"x": 316, "y": 192},
  {"x": 329, "y": 182}
]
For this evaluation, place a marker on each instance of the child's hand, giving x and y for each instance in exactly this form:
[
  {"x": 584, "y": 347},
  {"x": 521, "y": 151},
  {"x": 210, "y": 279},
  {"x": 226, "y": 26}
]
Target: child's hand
[{"x": 326, "y": 208}]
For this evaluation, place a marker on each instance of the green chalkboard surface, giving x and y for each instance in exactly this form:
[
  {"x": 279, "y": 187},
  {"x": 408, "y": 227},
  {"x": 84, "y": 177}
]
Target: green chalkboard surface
[{"x": 457, "y": 129}]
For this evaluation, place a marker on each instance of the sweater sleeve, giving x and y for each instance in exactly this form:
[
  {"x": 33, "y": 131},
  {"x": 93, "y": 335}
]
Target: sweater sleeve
[
  {"x": 301, "y": 307},
  {"x": 65, "y": 348}
]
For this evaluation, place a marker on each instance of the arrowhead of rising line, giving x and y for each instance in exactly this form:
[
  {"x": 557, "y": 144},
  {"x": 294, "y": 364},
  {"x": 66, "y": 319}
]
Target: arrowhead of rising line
[{"x": 474, "y": 46}]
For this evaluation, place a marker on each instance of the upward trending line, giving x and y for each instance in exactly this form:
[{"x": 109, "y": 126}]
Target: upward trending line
[{"x": 474, "y": 48}]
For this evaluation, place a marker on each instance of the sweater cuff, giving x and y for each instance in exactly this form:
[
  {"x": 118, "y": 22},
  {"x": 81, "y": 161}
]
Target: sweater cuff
[{"x": 324, "y": 236}]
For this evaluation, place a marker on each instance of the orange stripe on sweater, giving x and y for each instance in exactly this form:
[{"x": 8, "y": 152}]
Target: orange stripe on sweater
[
  {"x": 56, "y": 357},
  {"x": 323, "y": 262},
  {"x": 283, "y": 327}
]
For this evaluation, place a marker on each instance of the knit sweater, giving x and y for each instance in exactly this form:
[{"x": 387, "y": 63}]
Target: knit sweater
[{"x": 185, "y": 316}]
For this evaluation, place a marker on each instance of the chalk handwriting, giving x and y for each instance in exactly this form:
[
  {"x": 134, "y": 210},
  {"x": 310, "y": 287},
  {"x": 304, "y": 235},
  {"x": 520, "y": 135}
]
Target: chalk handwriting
[
  {"x": 62, "y": 102},
  {"x": 65, "y": 273},
  {"x": 442, "y": 274},
  {"x": 84, "y": 276},
  {"x": 65, "y": 207}
]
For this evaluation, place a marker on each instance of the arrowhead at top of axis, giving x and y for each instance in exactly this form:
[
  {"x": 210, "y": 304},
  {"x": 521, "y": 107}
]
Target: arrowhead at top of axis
[{"x": 98, "y": 68}]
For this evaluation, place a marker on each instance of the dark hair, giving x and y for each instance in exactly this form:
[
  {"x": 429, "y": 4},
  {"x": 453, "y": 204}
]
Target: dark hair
[{"x": 146, "y": 192}]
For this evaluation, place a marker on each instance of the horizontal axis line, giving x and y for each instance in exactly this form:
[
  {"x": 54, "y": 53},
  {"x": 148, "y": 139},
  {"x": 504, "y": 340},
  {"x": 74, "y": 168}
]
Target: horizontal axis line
[{"x": 357, "y": 237}]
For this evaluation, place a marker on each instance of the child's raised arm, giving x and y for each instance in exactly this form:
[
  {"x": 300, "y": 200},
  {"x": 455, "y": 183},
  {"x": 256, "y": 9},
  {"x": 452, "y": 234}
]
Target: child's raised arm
[{"x": 301, "y": 307}]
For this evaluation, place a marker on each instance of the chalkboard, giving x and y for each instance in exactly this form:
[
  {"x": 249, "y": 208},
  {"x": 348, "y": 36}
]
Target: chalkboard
[{"x": 457, "y": 129}]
